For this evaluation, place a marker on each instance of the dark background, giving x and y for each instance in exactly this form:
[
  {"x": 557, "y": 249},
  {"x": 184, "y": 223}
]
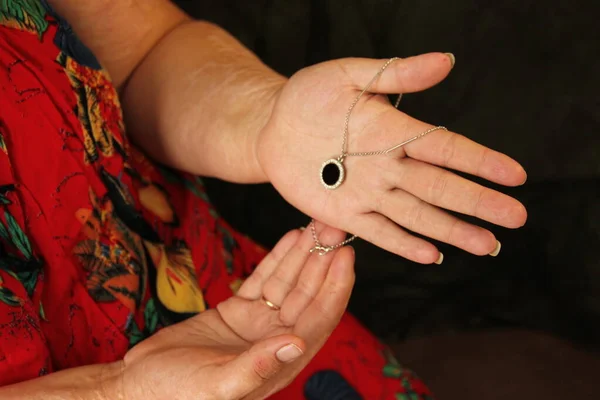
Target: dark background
[{"x": 526, "y": 83}]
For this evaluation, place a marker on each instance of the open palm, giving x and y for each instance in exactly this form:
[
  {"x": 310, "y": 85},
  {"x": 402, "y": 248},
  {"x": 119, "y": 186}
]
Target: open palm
[
  {"x": 385, "y": 198},
  {"x": 244, "y": 348}
]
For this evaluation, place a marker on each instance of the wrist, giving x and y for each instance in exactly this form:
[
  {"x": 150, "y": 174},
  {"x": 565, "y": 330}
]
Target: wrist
[
  {"x": 110, "y": 381},
  {"x": 262, "y": 116},
  {"x": 199, "y": 101},
  {"x": 92, "y": 382}
]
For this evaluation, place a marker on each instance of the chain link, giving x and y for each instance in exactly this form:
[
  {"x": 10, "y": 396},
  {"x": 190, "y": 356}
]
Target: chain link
[
  {"x": 356, "y": 100},
  {"x": 383, "y": 152},
  {"x": 323, "y": 249}
]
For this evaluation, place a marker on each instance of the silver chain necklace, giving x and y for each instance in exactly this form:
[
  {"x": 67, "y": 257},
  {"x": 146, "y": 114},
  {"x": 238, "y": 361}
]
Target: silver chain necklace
[{"x": 332, "y": 171}]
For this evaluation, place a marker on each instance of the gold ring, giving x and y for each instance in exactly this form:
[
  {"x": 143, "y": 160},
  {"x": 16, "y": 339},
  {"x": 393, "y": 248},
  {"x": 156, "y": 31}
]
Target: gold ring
[{"x": 269, "y": 304}]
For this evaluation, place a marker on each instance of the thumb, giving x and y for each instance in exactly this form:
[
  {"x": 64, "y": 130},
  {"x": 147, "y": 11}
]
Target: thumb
[
  {"x": 405, "y": 75},
  {"x": 256, "y": 366}
]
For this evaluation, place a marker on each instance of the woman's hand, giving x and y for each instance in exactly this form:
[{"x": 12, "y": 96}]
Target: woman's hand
[
  {"x": 244, "y": 348},
  {"x": 201, "y": 102},
  {"x": 384, "y": 198}
]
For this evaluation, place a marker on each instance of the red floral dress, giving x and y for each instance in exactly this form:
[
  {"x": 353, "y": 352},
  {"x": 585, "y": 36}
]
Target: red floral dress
[{"x": 100, "y": 247}]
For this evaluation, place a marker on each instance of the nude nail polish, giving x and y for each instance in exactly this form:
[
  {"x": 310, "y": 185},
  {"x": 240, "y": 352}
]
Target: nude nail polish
[
  {"x": 452, "y": 59},
  {"x": 440, "y": 259},
  {"x": 525, "y": 181},
  {"x": 288, "y": 353},
  {"x": 497, "y": 249}
]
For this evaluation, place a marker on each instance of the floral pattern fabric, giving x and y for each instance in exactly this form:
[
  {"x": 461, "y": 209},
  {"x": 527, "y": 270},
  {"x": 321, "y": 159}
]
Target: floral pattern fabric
[{"x": 99, "y": 246}]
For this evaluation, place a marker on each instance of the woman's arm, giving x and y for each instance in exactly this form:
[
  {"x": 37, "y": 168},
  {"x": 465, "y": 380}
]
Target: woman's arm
[
  {"x": 185, "y": 85},
  {"x": 94, "y": 382},
  {"x": 199, "y": 101},
  {"x": 120, "y": 33}
]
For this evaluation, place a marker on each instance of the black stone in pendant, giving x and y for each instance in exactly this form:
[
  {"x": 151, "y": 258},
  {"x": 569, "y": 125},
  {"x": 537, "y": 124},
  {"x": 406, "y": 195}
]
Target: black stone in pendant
[{"x": 332, "y": 173}]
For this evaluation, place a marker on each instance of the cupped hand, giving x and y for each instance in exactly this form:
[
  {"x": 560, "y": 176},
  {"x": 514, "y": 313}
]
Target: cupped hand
[
  {"x": 384, "y": 199},
  {"x": 245, "y": 349}
]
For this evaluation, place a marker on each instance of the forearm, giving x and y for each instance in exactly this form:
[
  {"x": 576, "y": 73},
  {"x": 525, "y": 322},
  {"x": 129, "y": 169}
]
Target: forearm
[
  {"x": 193, "y": 97},
  {"x": 198, "y": 101},
  {"x": 95, "y": 382}
]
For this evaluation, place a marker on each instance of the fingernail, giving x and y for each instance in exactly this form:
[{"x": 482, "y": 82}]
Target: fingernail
[
  {"x": 288, "y": 353},
  {"x": 524, "y": 181},
  {"x": 302, "y": 228},
  {"x": 452, "y": 59},
  {"x": 440, "y": 259},
  {"x": 497, "y": 249}
]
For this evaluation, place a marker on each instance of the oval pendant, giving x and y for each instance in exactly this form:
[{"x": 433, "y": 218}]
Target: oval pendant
[{"x": 332, "y": 173}]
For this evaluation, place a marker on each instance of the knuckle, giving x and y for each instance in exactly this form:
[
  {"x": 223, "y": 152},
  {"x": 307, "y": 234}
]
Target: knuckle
[
  {"x": 416, "y": 215},
  {"x": 325, "y": 313},
  {"x": 477, "y": 201},
  {"x": 278, "y": 283},
  {"x": 438, "y": 187},
  {"x": 287, "y": 317},
  {"x": 399, "y": 71},
  {"x": 303, "y": 289},
  {"x": 451, "y": 233},
  {"x": 485, "y": 152},
  {"x": 449, "y": 150},
  {"x": 264, "y": 367},
  {"x": 256, "y": 276}
]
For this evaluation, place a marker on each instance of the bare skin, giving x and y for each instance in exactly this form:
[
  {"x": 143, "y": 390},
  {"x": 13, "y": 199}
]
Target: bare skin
[
  {"x": 201, "y": 102},
  {"x": 241, "y": 350},
  {"x": 196, "y": 99}
]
